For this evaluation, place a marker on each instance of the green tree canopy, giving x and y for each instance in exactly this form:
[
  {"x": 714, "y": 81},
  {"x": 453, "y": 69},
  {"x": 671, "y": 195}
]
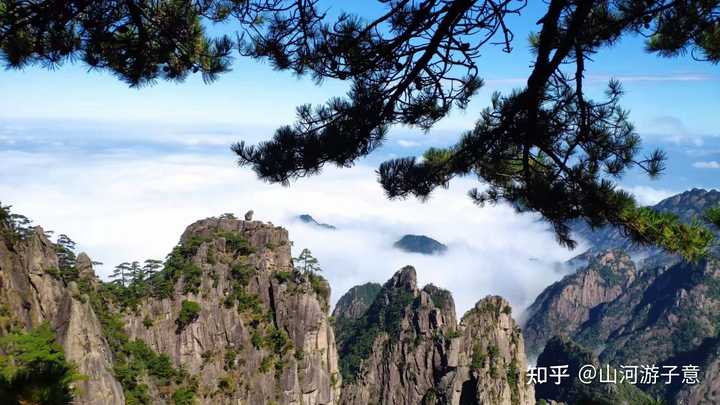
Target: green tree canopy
[
  {"x": 33, "y": 369},
  {"x": 306, "y": 262},
  {"x": 546, "y": 147}
]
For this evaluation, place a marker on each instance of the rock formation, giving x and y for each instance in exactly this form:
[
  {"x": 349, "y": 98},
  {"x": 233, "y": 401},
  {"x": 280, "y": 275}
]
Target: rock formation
[
  {"x": 568, "y": 303},
  {"x": 32, "y": 294},
  {"x": 308, "y": 219},
  {"x": 261, "y": 334},
  {"x": 356, "y": 301},
  {"x": 408, "y": 348}
]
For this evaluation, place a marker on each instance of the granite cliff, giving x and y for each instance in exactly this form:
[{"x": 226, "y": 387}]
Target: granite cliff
[
  {"x": 408, "y": 348},
  {"x": 31, "y": 294}
]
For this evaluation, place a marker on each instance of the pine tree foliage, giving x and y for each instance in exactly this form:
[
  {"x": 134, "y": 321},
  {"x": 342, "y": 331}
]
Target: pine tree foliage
[
  {"x": 546, "y": 147},
  {"x": 16, "y": 226},
  {"x": 306, "y": 262},
  {"x": 713, "y": 215},
  {"x": 122, "y": 274},
  {"x": 34, "y": 370}
]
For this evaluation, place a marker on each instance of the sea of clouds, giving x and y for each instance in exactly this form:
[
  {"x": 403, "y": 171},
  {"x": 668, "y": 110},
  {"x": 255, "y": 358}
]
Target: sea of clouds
[{"x": 127, "y": 205}]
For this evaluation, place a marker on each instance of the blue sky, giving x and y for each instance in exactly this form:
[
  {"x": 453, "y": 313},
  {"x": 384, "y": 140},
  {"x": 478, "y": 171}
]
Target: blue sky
[{"x": 123, "y": 170}]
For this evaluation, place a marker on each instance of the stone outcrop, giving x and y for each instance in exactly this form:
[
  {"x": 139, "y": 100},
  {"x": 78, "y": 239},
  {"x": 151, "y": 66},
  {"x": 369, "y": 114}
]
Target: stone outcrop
[
  {"x": 262, "y": 329},
  {"x": 408, "y": 348},
  {"x": 33, "y": 293}
]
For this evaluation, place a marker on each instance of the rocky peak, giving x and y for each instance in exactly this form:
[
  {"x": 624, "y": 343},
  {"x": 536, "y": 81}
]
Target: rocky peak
[
  {"x": 405, "y": 279},
  {"x": 356, "y": 301},
  {"x": 662, "y": 315},
  {"x": 568, "y": 303},
  {"x": 688, "y": 206},
  {"x": 408, "y": 348},
  {"x": 308, "y": 219},
  {"x": 420, "y": 244},
  {"x": 84, "y": 266},
  {"x": 241, "y": 315}
]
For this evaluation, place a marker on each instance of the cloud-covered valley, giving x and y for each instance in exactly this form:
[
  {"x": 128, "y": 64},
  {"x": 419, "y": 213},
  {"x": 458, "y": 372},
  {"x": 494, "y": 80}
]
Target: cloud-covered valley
[{"x": 128, "y": 205}]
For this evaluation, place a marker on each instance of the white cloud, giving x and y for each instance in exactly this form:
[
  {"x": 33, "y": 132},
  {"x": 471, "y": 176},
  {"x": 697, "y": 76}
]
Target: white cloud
[
  {"x": 672, "y": 129},
  {"x": 125, "y": 206},
  {"x": 408, "y": 144},
  {"x": 646, "y": 195},
  {"x": 707, "y": 165}
]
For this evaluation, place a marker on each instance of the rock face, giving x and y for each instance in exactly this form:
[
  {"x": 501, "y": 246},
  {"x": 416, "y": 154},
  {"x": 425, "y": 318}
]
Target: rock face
[
  {"x": 261, "y": 335},
  {"x": 33, "y": 294},
  {"x": 562, "y": 351},
  {"x": 356, "y": 301},
  {"x": 665, "y": 315},
  {"x": 420, "y": 244},
  {"x": 407, "y": 348},
  {"x": 568, "y": 303}
]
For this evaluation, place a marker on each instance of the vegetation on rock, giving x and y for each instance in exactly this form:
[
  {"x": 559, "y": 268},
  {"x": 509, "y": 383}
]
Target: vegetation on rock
[
  {"x": 34, "y": 370},
  {"x": 189, "y": 312}
]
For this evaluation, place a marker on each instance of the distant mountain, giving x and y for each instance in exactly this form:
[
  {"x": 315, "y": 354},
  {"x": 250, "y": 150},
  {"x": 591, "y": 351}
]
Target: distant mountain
[
  {"x": 647, "y": 313},
  {"x": 420, "y": 244},
  {"x": 689, "y": 205},
  {"x": 308, "y": 219}
]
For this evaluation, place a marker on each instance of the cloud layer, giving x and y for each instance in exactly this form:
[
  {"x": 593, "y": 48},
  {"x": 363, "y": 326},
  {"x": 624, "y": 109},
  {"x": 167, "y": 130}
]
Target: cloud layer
[{"x": 125, "y": 205}]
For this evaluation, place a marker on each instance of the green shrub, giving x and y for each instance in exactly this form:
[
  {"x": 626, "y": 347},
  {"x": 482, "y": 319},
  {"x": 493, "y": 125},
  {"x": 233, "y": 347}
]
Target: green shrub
[
  {"x": 242, "y": 273},
  {"x": 453, "y": 334},
  {"x": 230, "y": 356},
  {"x": 265, "y": 364},
  {"x": 236, "y": 243},
  {"x": 283, "y": 276},
  {"x": 277, "y": 341},
  {"x": 192, "y": 277},
  {"x": 189, "y": 312},
  {"x": 477, "y": 360},
  {"x": 184, "y": 396},
  {"x": 257, "y": 339},
  {"x": 33, "y": 368}
]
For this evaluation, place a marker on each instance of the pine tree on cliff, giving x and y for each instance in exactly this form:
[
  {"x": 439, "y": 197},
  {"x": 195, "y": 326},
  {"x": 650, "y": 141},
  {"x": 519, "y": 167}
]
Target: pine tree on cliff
[
  {"x": 151, "y": 266},
  {"x": 547, "y": 147},
  {"x": 137, "y": 273},
  {"x": 121, "y": 274},
  {"x": 65, "y": 249},
  {"x": 306, "y": 262}
]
